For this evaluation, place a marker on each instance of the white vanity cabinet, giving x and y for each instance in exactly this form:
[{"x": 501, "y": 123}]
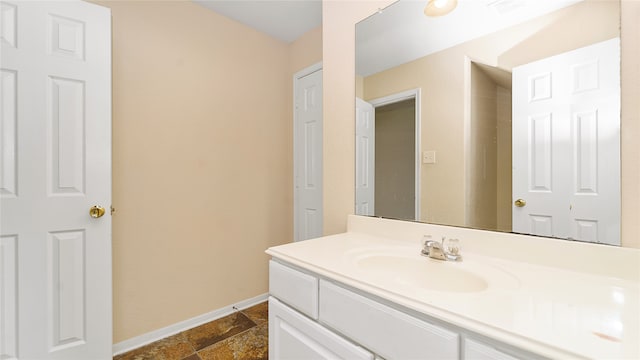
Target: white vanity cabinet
[{"x": 315, "y": 318}]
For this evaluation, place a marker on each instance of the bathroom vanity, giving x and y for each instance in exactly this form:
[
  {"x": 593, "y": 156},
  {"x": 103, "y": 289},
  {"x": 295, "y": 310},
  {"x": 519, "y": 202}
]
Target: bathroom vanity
[{"x": 369, "y": 294}]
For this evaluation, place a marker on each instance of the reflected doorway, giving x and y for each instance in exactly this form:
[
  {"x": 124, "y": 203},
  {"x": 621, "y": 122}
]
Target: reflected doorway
[
  {"x": 395, "y": 134},
  {"x": 388, "y": 156},
  {"x": 488, "y": 200}
]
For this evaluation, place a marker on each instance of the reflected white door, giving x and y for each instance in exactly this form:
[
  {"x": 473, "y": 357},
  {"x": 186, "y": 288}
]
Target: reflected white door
[
  {"x": 365, "y": 158},
  {"x": 566, "y": 143},
  {"x": 308, "y": 156},
  {"x": 55, "y": 259}
]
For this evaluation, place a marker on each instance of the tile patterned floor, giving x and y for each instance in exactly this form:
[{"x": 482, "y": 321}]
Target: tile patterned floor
[{"x": 242, "y": 335}]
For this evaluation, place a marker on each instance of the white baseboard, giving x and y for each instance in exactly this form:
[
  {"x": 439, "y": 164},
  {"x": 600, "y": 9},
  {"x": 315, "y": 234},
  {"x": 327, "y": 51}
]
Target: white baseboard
[{"x": 162, "y": 333}]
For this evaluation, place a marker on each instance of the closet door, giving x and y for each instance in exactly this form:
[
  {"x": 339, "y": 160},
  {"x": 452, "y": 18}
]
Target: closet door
[
  {"x": 566, "y": 143},
  {"x": 55, "y": 160}
]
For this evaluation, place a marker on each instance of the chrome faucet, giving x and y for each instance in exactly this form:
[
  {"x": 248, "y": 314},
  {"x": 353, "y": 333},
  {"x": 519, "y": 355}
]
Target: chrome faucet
[{"x": 441, "y": 251}]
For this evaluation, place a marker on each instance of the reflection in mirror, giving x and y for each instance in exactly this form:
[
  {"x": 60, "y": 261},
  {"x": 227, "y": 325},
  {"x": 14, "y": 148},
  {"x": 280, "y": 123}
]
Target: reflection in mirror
[{"x": 505, "y": 115}]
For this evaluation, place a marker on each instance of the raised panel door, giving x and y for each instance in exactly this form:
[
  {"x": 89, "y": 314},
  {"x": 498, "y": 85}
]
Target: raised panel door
[{"x": 55, "y": 160}]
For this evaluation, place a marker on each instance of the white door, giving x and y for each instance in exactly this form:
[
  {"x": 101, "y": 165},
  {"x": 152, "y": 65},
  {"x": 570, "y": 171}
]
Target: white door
[
  {"x": 55, "y": 158},
  {"x": 566, "y": 143},
  {"x": 308, "y": 156},
  {"x": 365, "y": 158}
]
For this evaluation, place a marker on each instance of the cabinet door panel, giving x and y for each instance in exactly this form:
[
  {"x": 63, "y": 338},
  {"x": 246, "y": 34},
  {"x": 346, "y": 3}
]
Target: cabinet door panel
[
  {"x": 293, "y": 336},
  {"x": 385, "y": 331}
]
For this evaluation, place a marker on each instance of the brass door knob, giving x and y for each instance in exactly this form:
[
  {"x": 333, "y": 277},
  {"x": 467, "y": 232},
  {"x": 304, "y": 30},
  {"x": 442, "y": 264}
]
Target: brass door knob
[
  {"x": 96, "y": 211},
  {"x": 520, "y": 203}
]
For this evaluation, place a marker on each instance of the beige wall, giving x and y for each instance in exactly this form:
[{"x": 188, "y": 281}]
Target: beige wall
[
  {"x": 442, "y": 188},
  {"x": 338, "y": 45},
  {"x": 489, "y": 178},
  {"x": 202, "y": 159},
  {"x": 630, "y": 131},
  {"x": 441, "y": 76},
  {"x": 359, "y": 86},
  {"x": 306, "y": 50},
  {"x": 483, "y": 169}
]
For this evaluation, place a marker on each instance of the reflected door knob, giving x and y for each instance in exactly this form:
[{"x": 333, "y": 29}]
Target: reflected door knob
[
  {"x": 96, "y": 211},
  {"x": 520, "y": 203}
]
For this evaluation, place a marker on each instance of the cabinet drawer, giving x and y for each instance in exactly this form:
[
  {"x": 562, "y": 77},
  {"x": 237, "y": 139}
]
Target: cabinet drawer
[
  {"x": 295, "y": 288},
  {"x": 293, "y": 336},
  {"x": 382, "y": 329},
  {"x": 474, "y": 350}
]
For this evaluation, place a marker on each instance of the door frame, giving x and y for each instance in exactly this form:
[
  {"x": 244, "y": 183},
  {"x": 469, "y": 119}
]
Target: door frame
[
  {"x": 402, "y": 96},
  {"x": 466, "y": 133},
  {"x": 296, "y": 77}
]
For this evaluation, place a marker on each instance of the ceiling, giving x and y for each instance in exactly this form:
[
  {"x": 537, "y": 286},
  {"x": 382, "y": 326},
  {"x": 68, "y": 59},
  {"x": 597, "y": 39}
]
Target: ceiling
[
  {"x": 401, "y": 32},
  {"x": 285, "y": 20},
  {"x": 397, "y": 34}
]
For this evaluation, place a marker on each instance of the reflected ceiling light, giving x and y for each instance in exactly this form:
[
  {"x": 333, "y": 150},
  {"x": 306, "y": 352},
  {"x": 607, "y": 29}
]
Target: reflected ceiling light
[{"x": 439, "y": 7}]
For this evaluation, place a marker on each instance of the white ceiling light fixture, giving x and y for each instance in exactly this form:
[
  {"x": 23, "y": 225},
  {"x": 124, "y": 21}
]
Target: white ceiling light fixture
[{"x": 439, "y": 7}]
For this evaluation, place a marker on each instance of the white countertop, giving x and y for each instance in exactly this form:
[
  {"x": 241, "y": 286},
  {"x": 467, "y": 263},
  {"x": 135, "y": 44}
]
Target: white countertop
[{"x": 555, "y": 312}]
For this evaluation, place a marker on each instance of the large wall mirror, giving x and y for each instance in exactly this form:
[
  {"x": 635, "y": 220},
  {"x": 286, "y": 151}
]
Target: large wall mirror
[{"x": 499, "y": 115}]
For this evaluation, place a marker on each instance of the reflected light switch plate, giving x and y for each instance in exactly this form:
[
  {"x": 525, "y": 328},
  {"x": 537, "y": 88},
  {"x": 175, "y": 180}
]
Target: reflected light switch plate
[{"x": 429, "y": 157}]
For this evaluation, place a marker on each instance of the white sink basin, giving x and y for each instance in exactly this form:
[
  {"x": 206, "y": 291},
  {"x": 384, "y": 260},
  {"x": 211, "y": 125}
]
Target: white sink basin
[
  {"x": 406, "y": 269},
  {"x": 423, "y": 272}
]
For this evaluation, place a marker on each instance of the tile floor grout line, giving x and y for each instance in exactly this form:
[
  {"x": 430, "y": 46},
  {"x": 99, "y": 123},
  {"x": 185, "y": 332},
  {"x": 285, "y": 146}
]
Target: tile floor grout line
[
  {"x": 247, "y": 316},
  {"x": 228, "y": 338},
  {"x": 192, "y": 347}
]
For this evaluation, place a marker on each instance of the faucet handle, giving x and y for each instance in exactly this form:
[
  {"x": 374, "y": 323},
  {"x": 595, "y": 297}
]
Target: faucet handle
[
  {"x": 426, "y": 238},
  {"x": 452, "y": 246},
  {"x": 427, "y": 243}
]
